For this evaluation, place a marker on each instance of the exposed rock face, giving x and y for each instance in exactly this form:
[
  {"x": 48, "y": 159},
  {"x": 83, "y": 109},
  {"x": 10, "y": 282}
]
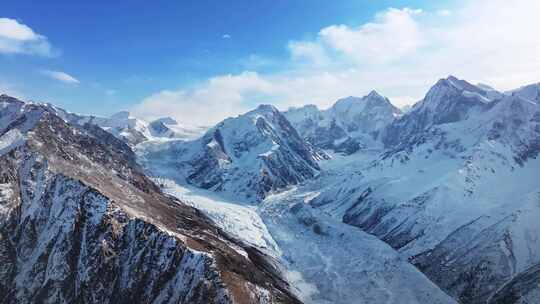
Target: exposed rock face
[
  {"x": 79, "y": 222},
  {"x": 248, "y": 156},
  {"x": 351, "y": 124}
]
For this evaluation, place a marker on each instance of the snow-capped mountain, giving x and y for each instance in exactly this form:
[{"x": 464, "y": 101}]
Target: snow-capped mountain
[
  {"x": 529, "y": 92},
  {"x": 123, "y": 126},
  {"x": 80, "y": 222},
  {"x": 133, "y": 130},
  {"x": 168, "y": 127},
  {"x": 449, "y": 100},
  {"x": 455, "y": 191},
  {"x": 248, "y": 156},
  {"x": 351, "y": 124}
]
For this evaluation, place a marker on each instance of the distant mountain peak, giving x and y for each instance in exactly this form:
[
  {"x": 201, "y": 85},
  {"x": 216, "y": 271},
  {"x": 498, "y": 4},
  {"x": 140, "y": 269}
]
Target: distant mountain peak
[
  {"x": 247, "y": 156},
  {"x": 166, "y": 120},
  {"x": 451, "y": 90},
  {"x": 374, "y": 94},
  {"x": 121, "y": 115},
  {"x": 529, "y": 92},
  {"x": 358, "y": 104},
  {"x": 265, "y": 108},
  {"x": 352, "y": 123},
  {"x": 9, "y": 99}
]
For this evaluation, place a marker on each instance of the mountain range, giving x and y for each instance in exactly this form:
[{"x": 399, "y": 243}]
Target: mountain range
[{"x": 358, "y": 203}]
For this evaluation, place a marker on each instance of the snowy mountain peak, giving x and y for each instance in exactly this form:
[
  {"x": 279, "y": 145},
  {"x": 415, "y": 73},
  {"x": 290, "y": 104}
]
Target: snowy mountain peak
[
  {"x": 295, "y": 114},
  {"x": 456, "y": 82},
  {"x": 449, "y": 84},
  {"x": 6, "y": 99},
  {"x": 166, "y": 120},
  {"x": 308, "y": 108},
  {"x": 352, "y": 105},
  {"x": 529, "y": 92},
  {"x": 352, "y": 123},
  {"x": 121, "y": 115},
  {"x": 461, "y": 84},
  {"x": 375, "y": 94},
  {"x": 347, "y": 104},
  {"x": 264, "y": 109},
  {"x": 450, "y": 99},
  {"x": 482, "y": 92},
  {"x": 246, "y": 157}
]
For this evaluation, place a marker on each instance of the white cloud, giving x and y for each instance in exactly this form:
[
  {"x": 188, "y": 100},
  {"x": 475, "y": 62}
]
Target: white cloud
[
  {"x": 400, "y": 53},
  {"x": 226, "y": 36},
  {"x": 210, "y": 102},
  {"x": 393, "y": 34},
  {"x": 311, "y": 52},
  {"x": 17, "y": 38},
  {"x": 61, "y": 76}
]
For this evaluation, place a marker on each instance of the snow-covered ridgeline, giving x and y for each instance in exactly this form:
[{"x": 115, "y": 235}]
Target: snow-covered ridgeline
[
  {"x": 351, "y": 124},
  {"x": 247, "y": 157},
  {"x": 80, "y": 222}
]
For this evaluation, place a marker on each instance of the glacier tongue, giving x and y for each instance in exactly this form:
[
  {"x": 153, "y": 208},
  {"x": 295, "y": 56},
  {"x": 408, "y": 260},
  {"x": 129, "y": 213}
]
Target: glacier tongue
[
  {"x": 240, "y": 220},
  {"x": 345, "y": 264},
  {"x": 243, "y": 222}
]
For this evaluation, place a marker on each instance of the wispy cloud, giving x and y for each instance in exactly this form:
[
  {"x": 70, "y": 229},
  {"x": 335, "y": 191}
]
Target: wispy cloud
[
  {"x": 17, "y": 38},
  {"x": 61, "y": 76},
  {"x": 226, "y": 36},
  {"x": 400, "y": 53},
  {"x": 218, "y": 97}
]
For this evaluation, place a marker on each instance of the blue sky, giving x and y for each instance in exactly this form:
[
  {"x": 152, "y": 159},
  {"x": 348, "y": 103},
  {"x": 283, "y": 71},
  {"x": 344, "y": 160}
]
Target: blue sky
[{"x": 202, "y": 60}]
